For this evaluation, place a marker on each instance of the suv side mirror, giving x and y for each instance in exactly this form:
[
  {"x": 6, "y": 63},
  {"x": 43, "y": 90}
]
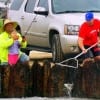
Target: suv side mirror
[
  {"x": 40, "y": 10},
  {"x": 6, "y": 2}
]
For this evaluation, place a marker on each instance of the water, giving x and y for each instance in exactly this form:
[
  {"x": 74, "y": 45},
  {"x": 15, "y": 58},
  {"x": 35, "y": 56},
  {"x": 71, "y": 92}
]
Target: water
[
  {"x": 39, "y": 98},
  {"x": 68, "y": 89}
]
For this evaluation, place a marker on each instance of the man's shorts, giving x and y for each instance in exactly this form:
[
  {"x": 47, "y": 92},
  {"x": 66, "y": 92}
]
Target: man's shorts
[{"x": 93, "y": 52}]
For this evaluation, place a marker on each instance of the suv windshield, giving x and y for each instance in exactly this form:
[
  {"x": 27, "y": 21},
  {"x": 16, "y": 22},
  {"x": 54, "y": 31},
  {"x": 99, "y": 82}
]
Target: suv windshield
[
  {"x": 4, "y": 0},
  {"x": 63, "y": 6}
]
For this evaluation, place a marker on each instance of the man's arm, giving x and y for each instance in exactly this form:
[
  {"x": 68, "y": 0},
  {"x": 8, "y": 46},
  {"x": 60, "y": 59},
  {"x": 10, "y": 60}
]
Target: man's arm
[
  {"x": 81, "y": 45},
  {"x": 24, "y": 42},
  {"x": 6, "y": 43}
]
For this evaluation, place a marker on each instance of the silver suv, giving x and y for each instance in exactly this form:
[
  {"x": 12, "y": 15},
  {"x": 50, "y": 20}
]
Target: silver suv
[{"x": 52, "y": 24}]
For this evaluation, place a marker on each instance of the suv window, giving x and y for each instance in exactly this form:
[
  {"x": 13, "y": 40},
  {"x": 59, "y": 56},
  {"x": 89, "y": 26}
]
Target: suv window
[
  {"x": 79, "y": 6},
  {"x": 43, "y": 3},
  {"x": 16, "y": 4},
  {"x": 30, "y": 6}
]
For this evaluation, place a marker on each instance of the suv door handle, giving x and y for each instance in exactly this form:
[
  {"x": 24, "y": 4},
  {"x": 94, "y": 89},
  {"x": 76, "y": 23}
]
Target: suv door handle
[
  {"x": 22, "y": 17},
  {"x": 34, "y": 20}
]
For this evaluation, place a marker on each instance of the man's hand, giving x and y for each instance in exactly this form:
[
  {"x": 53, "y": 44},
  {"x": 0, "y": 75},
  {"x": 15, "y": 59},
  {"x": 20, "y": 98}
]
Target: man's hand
[
  {"x": 84, "y": 50},
  {"x": 23, "y": 38}
]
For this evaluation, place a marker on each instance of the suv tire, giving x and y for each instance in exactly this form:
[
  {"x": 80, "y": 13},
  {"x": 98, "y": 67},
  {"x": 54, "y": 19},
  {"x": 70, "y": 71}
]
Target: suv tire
[{"x": 56, "y": 49}]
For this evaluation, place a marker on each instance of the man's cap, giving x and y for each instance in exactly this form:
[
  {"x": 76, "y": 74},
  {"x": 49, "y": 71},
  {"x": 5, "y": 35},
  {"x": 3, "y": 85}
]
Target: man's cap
[
  {"x": 89, "y": 16},
  {"x": 8, "y": 21}
]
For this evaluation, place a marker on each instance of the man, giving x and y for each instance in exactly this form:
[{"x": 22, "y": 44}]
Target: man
[
  {"x": 6, "y": 40},
  {"x": 89, "y": 34}
]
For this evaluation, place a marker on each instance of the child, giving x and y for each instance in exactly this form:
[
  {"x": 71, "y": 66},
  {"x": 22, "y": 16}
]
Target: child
[{"x": 13, "y": 54}]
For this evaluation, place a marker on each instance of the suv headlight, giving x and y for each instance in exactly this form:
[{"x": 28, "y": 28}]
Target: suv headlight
[{"x": 71, "y": 29}]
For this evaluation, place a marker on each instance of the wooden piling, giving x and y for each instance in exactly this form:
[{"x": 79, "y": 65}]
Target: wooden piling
[{"x": 44, "y": 80}]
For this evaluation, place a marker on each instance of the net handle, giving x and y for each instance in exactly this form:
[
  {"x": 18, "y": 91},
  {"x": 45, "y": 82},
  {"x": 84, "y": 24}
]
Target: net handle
[
  {"x": 75, "y": 58},
  {"x": 80, "y": 53},
  {"x": 65, "y": 65},
  {"x": 86, "y": 49}
]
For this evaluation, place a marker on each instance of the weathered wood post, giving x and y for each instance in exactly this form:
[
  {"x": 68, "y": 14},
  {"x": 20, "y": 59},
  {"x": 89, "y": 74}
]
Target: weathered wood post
[
  {"x": 88, "y": 81},
  {"x": 56, "y": 81},
  {"x": 18, "y": 80},
  {"x": 46, "y": 75},
  {"x": 40, "y": 69},
  {"x": 4, "y": 78}
]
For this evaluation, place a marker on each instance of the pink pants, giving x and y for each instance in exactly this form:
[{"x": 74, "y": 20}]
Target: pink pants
[{"x": 12, "y": 59}]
